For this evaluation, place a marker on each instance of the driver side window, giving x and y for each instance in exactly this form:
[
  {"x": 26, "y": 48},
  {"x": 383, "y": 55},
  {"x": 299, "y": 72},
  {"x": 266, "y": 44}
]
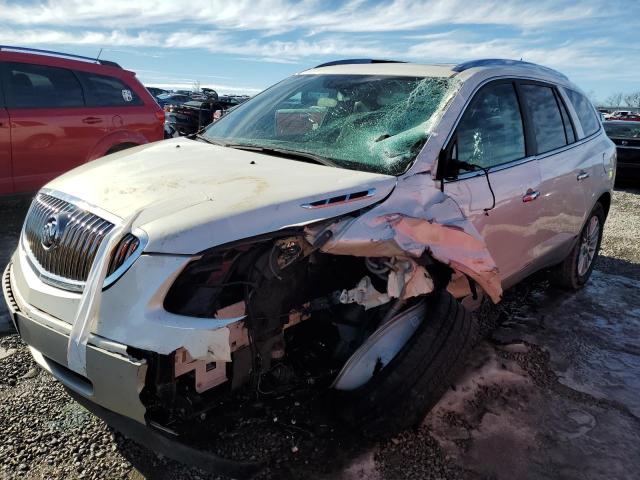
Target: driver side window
[{"x": 491, "y": 132}]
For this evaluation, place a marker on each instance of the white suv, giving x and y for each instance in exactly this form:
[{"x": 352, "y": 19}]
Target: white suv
[{"x": 336, "y": 228}]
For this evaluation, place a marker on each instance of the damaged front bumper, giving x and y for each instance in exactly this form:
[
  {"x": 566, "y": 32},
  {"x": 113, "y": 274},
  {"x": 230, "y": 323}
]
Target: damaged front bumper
[{"x": 113, "y": 381}]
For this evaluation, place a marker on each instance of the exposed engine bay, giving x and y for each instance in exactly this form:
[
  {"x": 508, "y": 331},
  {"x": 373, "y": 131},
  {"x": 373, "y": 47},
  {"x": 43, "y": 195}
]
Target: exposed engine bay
[{"x": 303, "y": 315}]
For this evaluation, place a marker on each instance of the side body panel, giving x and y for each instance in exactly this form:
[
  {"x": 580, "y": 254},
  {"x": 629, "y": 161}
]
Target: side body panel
[
  {"x": 511, "y": 230},
  {"x": 48, "y": 142},
  {"x": 6, "y": 176}
]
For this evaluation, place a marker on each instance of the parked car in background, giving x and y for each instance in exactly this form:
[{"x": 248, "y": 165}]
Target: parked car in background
[
  {"x": 190, "y": 117},
  {"x": 626, "y": 136},
  {"x": 334, "y": 231},
  {"x": 166, "y": 99},
  {"x": 58, "y": 111},
  {"x": 154, "y": 91},
  {"x": 623, "y": 115}
]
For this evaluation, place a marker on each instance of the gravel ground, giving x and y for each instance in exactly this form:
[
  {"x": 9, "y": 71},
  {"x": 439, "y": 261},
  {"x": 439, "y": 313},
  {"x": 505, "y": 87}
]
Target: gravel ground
[{"x": 553, "y": 392}]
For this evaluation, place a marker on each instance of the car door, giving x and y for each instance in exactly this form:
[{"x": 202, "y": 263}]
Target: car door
[
  {"x": 593, "y": 151},
  {"x": 6, "y": 180},
  {"x": 562, "y": 204},
  {"x": 502, "y": 201},
  {"x": 51, "y": 129}
]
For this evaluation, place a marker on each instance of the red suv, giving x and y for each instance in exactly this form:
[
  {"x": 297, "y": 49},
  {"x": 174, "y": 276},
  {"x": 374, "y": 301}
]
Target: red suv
[{"x": 58, "y": 111}]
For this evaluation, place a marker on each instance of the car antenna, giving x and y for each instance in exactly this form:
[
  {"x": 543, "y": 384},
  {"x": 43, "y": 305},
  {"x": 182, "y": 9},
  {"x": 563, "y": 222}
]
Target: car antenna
[{"x": 98, "y": 57}]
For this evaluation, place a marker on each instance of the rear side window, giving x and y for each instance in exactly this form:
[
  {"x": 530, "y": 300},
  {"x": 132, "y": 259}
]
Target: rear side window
[
  {"x": 585, "y": 111},
  {"x": 40, "y": 86},
  {"x": 548, "y": 126},
  {"x": 490, "y": 132},
  {"x": 105, "y": 91}
]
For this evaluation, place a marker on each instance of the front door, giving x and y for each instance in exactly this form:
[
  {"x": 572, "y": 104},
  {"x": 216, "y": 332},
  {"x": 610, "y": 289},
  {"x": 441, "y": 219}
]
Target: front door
[{"x": 491, "y": 136}]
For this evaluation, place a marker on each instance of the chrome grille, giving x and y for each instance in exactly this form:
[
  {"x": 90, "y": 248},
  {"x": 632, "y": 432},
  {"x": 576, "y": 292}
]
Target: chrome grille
[{"x": 67, "y": 261}]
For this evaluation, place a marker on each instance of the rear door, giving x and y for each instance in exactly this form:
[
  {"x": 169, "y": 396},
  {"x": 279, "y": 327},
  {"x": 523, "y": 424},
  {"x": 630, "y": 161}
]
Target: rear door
[
  {"x": 562, "y": 205},
  {"x": 491, "y": 135},
  {"x": 52, "y": 130},
  {"x": 120, "y": 105},
  {"x": 6, "y": 181},
  {"x": 594, "y": 150}
]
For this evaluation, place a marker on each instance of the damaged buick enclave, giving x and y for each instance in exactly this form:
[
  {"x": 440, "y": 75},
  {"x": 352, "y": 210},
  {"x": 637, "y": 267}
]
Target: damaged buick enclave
[{"x": 336, "y": 229}]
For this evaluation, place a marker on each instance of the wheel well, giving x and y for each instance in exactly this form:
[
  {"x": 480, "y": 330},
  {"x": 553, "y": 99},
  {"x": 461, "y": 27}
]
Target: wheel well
[
  {"x": 120, "y": 146},
  {"x": 605, "y": 201}
]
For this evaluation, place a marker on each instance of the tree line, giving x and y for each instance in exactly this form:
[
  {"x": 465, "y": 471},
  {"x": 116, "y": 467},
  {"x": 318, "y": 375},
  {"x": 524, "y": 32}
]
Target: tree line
[{"x": 620, "y": 99}]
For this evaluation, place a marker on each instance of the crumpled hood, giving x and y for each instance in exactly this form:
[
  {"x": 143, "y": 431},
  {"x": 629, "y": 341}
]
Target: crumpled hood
[{"x": 195, "y": 195}]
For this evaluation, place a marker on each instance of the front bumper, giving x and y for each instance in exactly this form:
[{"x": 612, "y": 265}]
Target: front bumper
[{"x": 114, "y": 380}]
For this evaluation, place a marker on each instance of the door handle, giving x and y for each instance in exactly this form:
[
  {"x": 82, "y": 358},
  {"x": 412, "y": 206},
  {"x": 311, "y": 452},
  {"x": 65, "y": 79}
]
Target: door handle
[
  {"x": 91, "y": 120},
  {"x": 582, "y": 175},
  {"x": 530, "y": 196}
]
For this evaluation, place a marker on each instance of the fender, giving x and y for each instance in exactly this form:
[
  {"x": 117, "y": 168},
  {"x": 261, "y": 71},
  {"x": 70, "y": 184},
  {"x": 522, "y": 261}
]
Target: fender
[{"x": 115, "y": 138}]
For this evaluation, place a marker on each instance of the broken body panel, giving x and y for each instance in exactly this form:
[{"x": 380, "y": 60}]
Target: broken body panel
[{"x": 243, "y": 248}]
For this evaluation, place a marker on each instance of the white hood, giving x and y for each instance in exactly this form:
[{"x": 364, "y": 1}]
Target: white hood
[{"x": 203, "y": 195}]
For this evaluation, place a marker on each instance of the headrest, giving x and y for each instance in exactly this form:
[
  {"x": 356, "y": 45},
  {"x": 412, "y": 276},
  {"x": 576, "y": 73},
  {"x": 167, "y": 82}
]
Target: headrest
[
  {"x": 327, "y": 102},
  {"x": 21, "y": 80}
]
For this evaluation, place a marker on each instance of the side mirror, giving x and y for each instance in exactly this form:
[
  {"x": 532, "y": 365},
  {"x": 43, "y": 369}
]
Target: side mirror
[{"x": 448, "y": 167}]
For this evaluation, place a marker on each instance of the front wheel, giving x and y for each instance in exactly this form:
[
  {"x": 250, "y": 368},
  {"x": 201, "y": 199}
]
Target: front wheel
[
  {"x": 400, "y": 394},
  {"x": 576, "y": 269}
]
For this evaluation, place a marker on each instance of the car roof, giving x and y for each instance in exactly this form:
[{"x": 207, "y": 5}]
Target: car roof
[
  {"x": 58, "y": 59},
  {"x": 463, "y": 70},
  {"x": 396, "y": 69}
]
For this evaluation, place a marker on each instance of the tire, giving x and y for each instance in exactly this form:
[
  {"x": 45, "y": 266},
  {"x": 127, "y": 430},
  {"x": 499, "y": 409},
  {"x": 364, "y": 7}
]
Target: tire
[
  {"x": 120, "y": 147},
  {"x": 399, "y": 395},
  {"x": 571, "y": 274}
]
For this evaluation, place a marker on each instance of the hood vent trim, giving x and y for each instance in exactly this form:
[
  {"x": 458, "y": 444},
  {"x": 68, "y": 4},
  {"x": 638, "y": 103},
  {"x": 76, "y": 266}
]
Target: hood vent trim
[{"x": 340, "y": 199}]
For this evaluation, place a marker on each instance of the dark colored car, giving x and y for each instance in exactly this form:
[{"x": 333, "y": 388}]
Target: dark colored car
[
  {"x": 172, "y": 99},
  {"x": 190, "y": 117},
  {"x": 58, "y": 111},
  {"x": 154, "y": 91},
  {"x": 626, "y": 136}
]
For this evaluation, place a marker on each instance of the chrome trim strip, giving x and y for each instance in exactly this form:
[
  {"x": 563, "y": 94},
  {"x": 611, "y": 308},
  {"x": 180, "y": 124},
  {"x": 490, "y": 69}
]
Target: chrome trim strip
[
  {"x": 72, "y": 257},
  {"x": 110, "y": 217},
  {"x": 370, "y": 193}
]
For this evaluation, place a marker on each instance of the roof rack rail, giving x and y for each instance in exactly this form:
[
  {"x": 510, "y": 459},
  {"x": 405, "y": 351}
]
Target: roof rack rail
[
  {"x": 352, "y": 61},
  {"x": 495, "y": 62},
  {"x": 60, "y": 54}
]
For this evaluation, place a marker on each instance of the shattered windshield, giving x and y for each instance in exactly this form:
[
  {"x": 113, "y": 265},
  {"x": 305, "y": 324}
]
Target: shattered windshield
[{"x": 363, "y": 122}]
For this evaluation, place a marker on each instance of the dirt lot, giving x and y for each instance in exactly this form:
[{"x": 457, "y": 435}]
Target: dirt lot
[{"x": 552, "y": 392}]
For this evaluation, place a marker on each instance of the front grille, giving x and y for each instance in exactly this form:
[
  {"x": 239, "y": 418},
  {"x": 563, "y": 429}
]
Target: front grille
[{"x": 64, "y": 257}]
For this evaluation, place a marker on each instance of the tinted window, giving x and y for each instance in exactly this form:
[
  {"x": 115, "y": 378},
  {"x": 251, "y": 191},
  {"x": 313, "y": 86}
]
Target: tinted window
[
  {"x": 490, "y": 132},
  {"x": 103, "y": 91},
  {"x": 623, "y": 130},
  {"x": 39, "y": 86},
  {"x": 585, "y": 111},
  {"x": 545, "y": 115},
  {"x": 570, "y": 134}
]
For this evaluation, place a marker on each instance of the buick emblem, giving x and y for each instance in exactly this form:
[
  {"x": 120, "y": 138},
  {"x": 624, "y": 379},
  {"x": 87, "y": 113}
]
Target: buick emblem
[{"x": 52, "y": 231}]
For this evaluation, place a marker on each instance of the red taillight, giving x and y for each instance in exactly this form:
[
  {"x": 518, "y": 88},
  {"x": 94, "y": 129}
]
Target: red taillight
[{"x": 160, "y": 115}]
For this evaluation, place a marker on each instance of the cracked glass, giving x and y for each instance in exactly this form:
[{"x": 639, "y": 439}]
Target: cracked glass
[{"x": 363, "y": 122}]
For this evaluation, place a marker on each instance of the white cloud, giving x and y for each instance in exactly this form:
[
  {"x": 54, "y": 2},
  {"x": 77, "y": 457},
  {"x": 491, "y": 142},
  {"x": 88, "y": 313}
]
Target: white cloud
[
  {"x": 214, "y": 42},
  {"x": 283, "y": 15}
]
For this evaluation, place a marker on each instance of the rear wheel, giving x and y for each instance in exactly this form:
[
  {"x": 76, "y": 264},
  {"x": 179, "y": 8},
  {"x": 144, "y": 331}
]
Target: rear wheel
[
  {"x": 576, "y": 269},
  {"x": 400, "y": 394},
  {"x": 120, "y": 147}
]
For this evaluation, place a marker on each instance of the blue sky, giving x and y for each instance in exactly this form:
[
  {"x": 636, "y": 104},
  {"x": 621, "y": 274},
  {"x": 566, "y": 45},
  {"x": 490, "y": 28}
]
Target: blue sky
[{"x": 243, "y": 46}]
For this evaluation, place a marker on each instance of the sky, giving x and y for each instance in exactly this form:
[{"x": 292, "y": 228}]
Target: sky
[{"x": 243, "y": 46}]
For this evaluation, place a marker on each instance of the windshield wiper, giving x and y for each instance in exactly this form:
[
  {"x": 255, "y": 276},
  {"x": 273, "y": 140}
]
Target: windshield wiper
[
  {"x": 283, "y": 152},
  {"x": 207, "y": 140}
]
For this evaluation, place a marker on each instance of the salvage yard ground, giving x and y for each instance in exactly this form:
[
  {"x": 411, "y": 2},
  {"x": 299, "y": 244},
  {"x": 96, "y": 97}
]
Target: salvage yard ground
[{"x": 553, "y": 391}]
